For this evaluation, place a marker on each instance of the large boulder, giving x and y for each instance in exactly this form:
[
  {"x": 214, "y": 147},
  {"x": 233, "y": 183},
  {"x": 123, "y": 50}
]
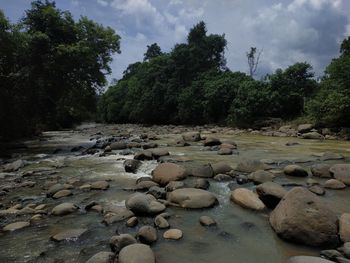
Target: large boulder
[
  {"x": 341, "y": 172},
  {"x": 192, "y": 198},
  {"x": 250, "y": 165},
  {"x": 261, "y": 176},
  {"x": 303, "y": 128},
  {"x": 191, "y": 136},
  {"x": 136, "y": 253},
  {"x": 142, "y": 204},
  {"x": 344, "y": 227},
  {"x": 303, "y": 218},
  {"x": 167, "y": 172},
  {"x": 247, "y": 199},
  {"x": 204, "y": 170},
  {"x": 270, "y": 193},
  {"x": 295, "y": 170},
  {"x": 308, "y": 259}
]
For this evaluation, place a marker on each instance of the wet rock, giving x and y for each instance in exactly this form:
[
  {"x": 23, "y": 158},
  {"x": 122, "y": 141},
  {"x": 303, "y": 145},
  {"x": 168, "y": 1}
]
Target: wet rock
[
  {"x": 62, "y": 193},
  {"x": 118, "y": 214},
  {"x": 247, "y": 199},
  {"x": 100, "y": 185},
  {"x": 270, "y": 193},
  {"x": 85, "y": 187},
  {"x": 68, "y": 235},
  {"x": 161, "y": 222},
  {"x": 312, "y": 136},
  {"x": 132, "y": 221},
  {"x": 64, "y": 209},
  {"x": 167, "y": 172},
  {"x": 180, "y": 143},
  {"x": 173, "y": 185},
  {"x": 207, "y": 221},
  {"x": 142, "y": 204},
  {"x": 101, "y": 257},
  {"x": 342, "y": 260},
  {"x": 225, "y": 151},
  {"x": 147, "y": 235},
  {"x": 261, "y": 176},
  {"x": 222, "y": 177},
  {"x": 242, "y": 179},
  {"x": 174, "y": 234},
  {"x": 143, "y": 155},
  {"x": 249, "y": 166},
  {"x": 131, "y": 165},
  {"x": 344, "y": 227},
  {"x": 157, "y": 153},
  {"x": 331, "y": 254},
  {"x": 303, "y": 128},
  {"x": 307, "y": 259},
  {"x": 331, "y": 156},
  {"x": 118, "y": 146},
  {"x": 150, "y": 145},
  {"x": 228, "y": 145},
  {"x": 157, "y": 192},
  {"x": 145, "y": 185},
  {"x": 341, "y": 172},
  {"x": 345, "y": 249},
  {"x": 204, "y": 170},
  {"x": 117, "y": 243},
  {"x": 211, "y": 141},
  {"x": 334, "y": 184},
  {"x": 14, "y": 166},
  {"x": 200, "y": 183},
  {"x": 136, "y": 253},
  {"x": 15, "y": 226},
  {"x": 317, "y": 190},
  {"x": 291, "y": 143},
  {"x": 191, "y": 137},
  {"x": 221, "y": 168},
  {"x": 303, "y": 218},
  {"x": 295, "y": 170},
  {"x": 54, "y": 189},
  {"x": 192, "y": 198},
  {"x": 321, "y": 170}
]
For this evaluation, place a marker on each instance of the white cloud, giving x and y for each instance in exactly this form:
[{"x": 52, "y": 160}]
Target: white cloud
[{"x": 102, "y": 3}]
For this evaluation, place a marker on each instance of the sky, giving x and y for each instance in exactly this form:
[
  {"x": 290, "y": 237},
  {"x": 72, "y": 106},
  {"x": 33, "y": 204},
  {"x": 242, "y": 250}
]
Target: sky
[{"x": 288, "y": 31}]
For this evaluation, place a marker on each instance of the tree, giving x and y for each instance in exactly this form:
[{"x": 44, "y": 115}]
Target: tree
[
  {"x": 253, "y": 57},
  {"x": 152, "y": 51}
]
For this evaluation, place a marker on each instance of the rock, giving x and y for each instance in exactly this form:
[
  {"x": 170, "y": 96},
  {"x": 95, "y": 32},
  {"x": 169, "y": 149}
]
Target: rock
[
  {"x": 143, "y": 155},
  {"x": 15, "y": 226},
  {"x": 174, "y": 234},
  {"x": 167, "y": 172},
  {"x": 191, "y": 137},
  {"x": 222, "y": 177},
  {"x": 247, "y": 199},
  {"x": 228, "y": 145},
  {"x": 308, "y": 259},
  {"x": 145, "y": 185},
  {"x": 142, "y": 204},
  {"x": 344, "y": 227},
  {"x": 54, "y": 189},
  {"x": 180, "y": 143},
  {"x": 149, "y": 145},
  {"x": 204, "y": 170},
  {"x": 261, "y": 176},
  {"x": 101, "y": 257},
  {"x": 312, "y": 136},
  {"x": 62, "y": 193},
  {"x": 14, "y": 166},
  {"x": 270, "y": 193},
  {"x": 331, "y": 254},
  {"x": 100, "y": 185},
  {"x": 225, "y": 151},
  {"x": 321, "y": 170},
  {"x": 192, "y": 198},
  {"x": 117, "y": 243},
  {"x": 131, "y": 165},
  {"x": 211, "y": 141},
  {"x": 249, "y": 166},
  {"x": 345, "y": 249},
  {"x": 68, "y": 235},
  {"x": 303, "y": 128},
  {"x": 173, "y": 185},
  {"x": 161, "y": 222},
  {"x": 221, "y": 168},
  {"x": 207, "y": 221},
  {"x": 303, "y": 218},
  {"x": 334, "y": 184},
  {"x": 64, "y": 209},
  {"x": 291, "y": 143},
  {"x": 341, "y": 172},
  {"x": 157, "y": 192},
  {"x": 200, "y": 183},
  {"x": 157, "y": 153},
  {"x": 118, "y": 146},
  {"x": 331, "y": 156},
  {"x": 147, "y": 234},
  {"x": 317, "y": 190},
  {"x": 118, "y": 214},
  {"x": 342, "y": 260},
  {"x": 132, "y": 221},
  {"x": 136, "y": 253},
  {"x": 295, "y": 170},
  {"x": 242, "y": 179}
]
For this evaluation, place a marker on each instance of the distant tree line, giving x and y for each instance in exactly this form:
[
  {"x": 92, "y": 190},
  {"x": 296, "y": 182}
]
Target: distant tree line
[
  {"x": 51, "y": 69},
  {"x": 192, "y": 85}
]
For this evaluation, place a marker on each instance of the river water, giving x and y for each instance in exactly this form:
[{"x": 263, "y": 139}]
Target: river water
[{"x": 240, "y": 236}]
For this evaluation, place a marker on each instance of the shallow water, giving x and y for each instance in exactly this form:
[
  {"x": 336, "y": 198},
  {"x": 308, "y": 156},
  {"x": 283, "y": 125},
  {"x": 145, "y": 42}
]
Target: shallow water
[{"x": 241, "y": 235}]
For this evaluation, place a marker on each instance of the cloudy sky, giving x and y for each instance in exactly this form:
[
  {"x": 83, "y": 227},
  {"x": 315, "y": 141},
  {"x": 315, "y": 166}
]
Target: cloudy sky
[{"x": 288, "y": 31}]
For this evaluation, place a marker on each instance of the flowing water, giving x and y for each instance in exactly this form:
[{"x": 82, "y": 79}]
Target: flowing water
[{"x": 240, "y": 236}]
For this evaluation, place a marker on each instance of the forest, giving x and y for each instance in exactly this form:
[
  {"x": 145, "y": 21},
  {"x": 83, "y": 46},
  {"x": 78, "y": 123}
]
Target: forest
[{"x": 53, "y": 75}]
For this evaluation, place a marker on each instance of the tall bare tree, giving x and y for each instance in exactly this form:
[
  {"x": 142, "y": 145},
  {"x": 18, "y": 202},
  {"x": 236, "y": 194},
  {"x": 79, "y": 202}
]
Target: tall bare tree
[{"x": 253, "y": 57}]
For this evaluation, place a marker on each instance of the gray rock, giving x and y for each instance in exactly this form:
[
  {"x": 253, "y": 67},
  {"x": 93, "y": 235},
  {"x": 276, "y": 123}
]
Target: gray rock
[
  {"x": 161, "y": 222},
  {"x": 174, "y": 234},
  {"x": 204, "y": 170},
  {"x": 136, "y": 253},
  {"x": 101, "y": 257},
  {"x": 147, "y": 234},
  {"x": 192, "y": 198},
  {"x": 221, "y": 168},
  {"x": 247, "y": 199},
  {"x": 167, "y": 172},
  {"x": 131, "y": 165},
  {"x": 117, "y": 243},
  {"x": 68, "y": 235},
  {"x": 295, "y": 170},
  {"x": 312, "y": 136},
  {"x": 249, "y": 166},
  {"x": 321, "y": 170},
  {"x": 15, "y": 226},
  {"x": 270, "y": 193},
  {"x": 341, "y": 172},
  {"x": 64, "y": 209},
  {"x": 308, "y": 259},
  {"x": 261, "y": 176},
  {"x": 191, "y": 136},
  {"x": 142, "y": 204},
  {"x": 334, "y": 184},
  {"x": 207, "y": 221},
  {"x": 222, "y": 177},
  {"x": 344, "y": 227},
  {"x": 118, "y": 146}
]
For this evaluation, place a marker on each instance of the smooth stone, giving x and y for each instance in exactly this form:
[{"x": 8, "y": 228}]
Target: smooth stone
[
  {"x": 317, "y": 190},
  {"x": 160, "y": 152},
  {"x": 157, "y": 192},
  {"x": 331, "y": 156},
  {"x": 200, "y": 183},
  {"x": 173, "y": 185},
  {"x": 54, "y": 189},
  {"x": 131, "y": 165},
  {"x": 295, "y": 170},
  {"x": 312, "y": 136},
  {"x": 119, "y": 214},
  {"x": 250, "y": 165},
  {"x": 334, "y": 184},
  {"x": 142, "y": 204},
  {"x": 344, "y": 227},
  {"x": 341, "y": 172},
  {"x": 331, "y": 254},
  {"x": 167, "y": 172},
  {"x": 221, "y": 168},
  {"x": 261, "y": 176},
  {"x": 321, "y": 170},
  {"x": 224, "y": 151},
  {"x": 303, "y": 128},
  {"x": 191, "y": 137},
  {"x": 210, "y": 141},
  {"x": 308, "y": 259},
  {"x": 16, "y": 226},
  {"x": 117, "y": 243},
  {"x": 247, "y": 199},
  {"x": 222, "y": 177},
  {"x": 161, "y": 222},
  {"x": 132, "y": 221},
  {"x": 136, "y": 253},
  {"x": 192, "y": 198},
  {"x": 62, "y": 193},
  {"x": 147, "y": 234},
  {"x": 174, "y": 234},
  {"x": 100, "y": 185},
  {"x": 207, "y": 221},
  {"x": 145, "y": 185},
  {"x": 101, "y": 257},
  {"x": 204, "y": 170},
  {"x": 64, "y": 209},
  {"x": 143, "y": 155},
  {"x": 118, "y": 146},
  {"x": 270, "y": 193},
  {"x": 69, "y": 234}
]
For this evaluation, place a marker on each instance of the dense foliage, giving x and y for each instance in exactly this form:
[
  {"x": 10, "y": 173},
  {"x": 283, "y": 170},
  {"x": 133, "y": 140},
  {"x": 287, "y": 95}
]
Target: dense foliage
[{"x": 51, "y": 68}]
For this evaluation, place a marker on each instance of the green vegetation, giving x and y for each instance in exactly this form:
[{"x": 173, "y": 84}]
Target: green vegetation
[{"x": 51, "y": 68}]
